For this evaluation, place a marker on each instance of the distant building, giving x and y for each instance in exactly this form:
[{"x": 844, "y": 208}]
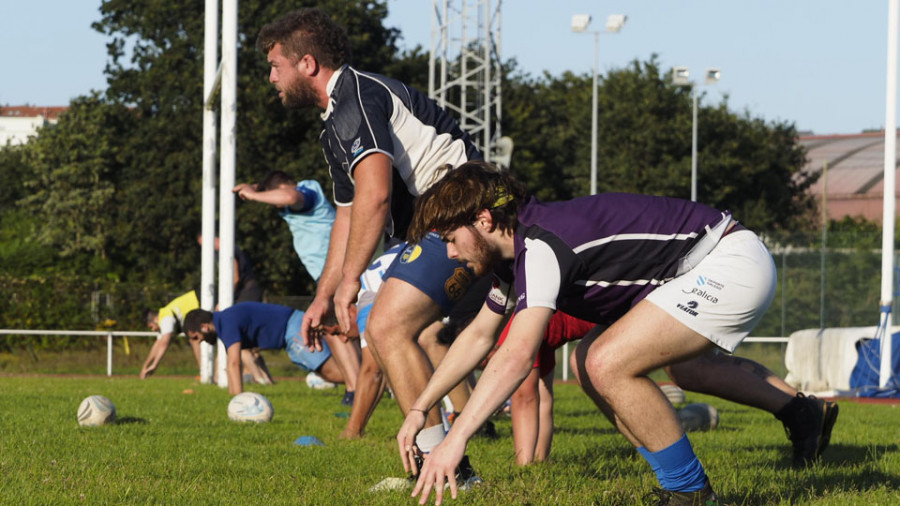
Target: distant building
[
  {"x": 853, "y": 184},
  {"x": 19, "y": 122}
]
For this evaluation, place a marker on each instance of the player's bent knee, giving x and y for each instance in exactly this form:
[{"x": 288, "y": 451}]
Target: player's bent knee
[
  {"x": 385, "y": 331},
  {"x": 601, "y": 373}
]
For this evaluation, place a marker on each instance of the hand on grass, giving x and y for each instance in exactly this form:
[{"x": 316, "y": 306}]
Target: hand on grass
[
  {"x": 406, "y": 439},
  {"x": 440, "y": 468}
]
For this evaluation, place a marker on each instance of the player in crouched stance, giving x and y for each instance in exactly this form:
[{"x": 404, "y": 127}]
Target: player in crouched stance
[
  {"x": 251, "y": 325},
  {"x": 629, "y": 260}
]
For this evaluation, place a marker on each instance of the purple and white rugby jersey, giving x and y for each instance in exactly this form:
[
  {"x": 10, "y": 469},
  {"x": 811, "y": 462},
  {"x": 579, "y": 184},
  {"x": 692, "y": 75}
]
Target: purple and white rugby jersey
[{"x": 596, "y": 257}]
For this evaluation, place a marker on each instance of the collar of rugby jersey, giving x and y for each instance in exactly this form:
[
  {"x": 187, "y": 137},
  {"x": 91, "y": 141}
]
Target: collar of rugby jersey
[{"x": 329, "y": 88}]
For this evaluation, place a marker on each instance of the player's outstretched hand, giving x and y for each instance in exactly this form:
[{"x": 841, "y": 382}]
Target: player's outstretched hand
[
  {"x": 244, "y": 190},
  {"x": 313, "y": 320},
  {"x": 440, "y": 468},
  {"x": 406, "y": 439},
  {"x": 345, "y": 302}
]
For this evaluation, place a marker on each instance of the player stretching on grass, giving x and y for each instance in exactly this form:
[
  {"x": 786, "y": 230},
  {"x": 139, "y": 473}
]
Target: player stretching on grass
[
  {"x": 258, "y": 325},
  {"x": 807, "y": 420},
  {"x": 385, "y": 143},
  {"x": 306, "y": 210},
  {"x": 630, "y": 261},
  {"x": 169, "y": 321}
]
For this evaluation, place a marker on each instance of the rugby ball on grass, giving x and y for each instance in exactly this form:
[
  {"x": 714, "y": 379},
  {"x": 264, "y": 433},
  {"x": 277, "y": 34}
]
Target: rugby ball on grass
[
  {"x": 698, "y": 416},
  {"x": 250, "y": 407},
  {"x": 673, "y": 393},
  {"x": 96, "y": 410}
]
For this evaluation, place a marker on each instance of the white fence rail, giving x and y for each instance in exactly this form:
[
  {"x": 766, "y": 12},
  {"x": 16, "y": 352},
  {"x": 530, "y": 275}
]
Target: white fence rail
[{"x": 95, "y": 333}]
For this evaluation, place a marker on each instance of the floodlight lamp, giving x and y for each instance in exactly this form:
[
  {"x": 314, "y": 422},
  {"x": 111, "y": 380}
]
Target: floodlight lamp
[
  {"x": 681, "y": 76},
  {"x": 615, "y": 22},
  {"x": 713, "y": 76},
  {"x": 580, "y": 22}
]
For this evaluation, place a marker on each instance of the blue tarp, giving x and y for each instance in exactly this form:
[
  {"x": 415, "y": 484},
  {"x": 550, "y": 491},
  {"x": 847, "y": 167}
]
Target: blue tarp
[{"x": 865, "y": 376}]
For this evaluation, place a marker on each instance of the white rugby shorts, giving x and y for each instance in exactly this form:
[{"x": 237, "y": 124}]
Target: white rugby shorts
[{"x": 726, "y": 294}]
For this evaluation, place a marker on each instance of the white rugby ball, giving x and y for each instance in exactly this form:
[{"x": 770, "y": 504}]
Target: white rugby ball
[
  {"x": 698, "y": 416},
  {"x": 96, "y": 410},
  {"x": 250, "y": 407},
  {"x": 673, "y": 393}
]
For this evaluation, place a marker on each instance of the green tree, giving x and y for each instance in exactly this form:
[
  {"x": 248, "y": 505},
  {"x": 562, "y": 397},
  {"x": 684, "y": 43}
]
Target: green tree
[
  {"x": 547, "y": 120},
  {"x": 644, "y": 145},
  {"x": 73, "y": 168},
  {"x": 156, "y": 56}
]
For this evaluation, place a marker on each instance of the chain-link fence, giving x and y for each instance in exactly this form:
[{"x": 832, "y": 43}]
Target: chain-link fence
[{"x": 824, "y": 287}]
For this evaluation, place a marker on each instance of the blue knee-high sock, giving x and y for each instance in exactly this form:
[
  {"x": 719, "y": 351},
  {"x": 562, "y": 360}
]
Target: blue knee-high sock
[
  {"x": 679, "y": 468},
  {"x": 648, "y": 456}
]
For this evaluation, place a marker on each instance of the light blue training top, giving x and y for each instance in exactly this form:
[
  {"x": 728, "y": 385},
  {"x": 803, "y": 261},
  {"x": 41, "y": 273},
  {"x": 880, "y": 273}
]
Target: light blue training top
[{"x": 311, "y": 227}]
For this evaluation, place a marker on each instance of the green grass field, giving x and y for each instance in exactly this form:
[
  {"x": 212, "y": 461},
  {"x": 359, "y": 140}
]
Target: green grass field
[{"x": 173, "y": 447}]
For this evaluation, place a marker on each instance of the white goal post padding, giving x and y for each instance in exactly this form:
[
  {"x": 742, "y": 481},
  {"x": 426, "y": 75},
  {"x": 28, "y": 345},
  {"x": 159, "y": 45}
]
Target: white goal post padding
[{"x": 821, "y": 360}]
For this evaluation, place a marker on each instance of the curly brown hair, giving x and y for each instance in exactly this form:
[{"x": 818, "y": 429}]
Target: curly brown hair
[
  {"x": 307, "y": 31},
  {"x": 456, "y": 200}
]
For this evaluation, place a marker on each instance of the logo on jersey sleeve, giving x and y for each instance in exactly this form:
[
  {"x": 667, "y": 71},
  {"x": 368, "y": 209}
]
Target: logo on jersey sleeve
[
  {"x": 410, "y": 254},
  {"x": 457, "y": 284},
  {"x": 356, "y": 147},
  {"x": 499, "y": 294}
]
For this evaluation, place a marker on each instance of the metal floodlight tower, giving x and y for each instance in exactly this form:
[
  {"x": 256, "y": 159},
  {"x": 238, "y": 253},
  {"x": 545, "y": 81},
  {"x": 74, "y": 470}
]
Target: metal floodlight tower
[{"x": 464, "y": 70}]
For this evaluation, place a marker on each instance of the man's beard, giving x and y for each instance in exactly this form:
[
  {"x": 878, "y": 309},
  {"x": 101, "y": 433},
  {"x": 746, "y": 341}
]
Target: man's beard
[
  {"x": 298, "y": 95},
  {"x": 484, "y": 257}
]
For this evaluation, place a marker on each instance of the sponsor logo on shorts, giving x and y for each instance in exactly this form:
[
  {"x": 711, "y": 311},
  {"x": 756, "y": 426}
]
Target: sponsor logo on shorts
[
  {"x": 689, "y": 308},
  {"x": 704, "y": 281},
  {"x": 703, "y": 294},
  {"x": 410, "y": 254},
  {"x": 356, "y": 147},
  {"x": 457, "y": 284}
]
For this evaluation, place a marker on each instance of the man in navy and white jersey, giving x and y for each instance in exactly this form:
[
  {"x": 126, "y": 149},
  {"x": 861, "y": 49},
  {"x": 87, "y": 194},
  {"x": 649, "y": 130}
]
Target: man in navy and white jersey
[
  {"x": 673, "y": 279},
  {"x": 385, "y": 143}
]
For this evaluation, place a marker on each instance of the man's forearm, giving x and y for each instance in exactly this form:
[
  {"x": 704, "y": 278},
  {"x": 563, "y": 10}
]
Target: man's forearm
[
  {"x": 463, "y": 357},
  {"x": 510, "y": 364},
  {"x": 370, "y": 210},
  {"x": 366, "y": 231},
  {"x": 279, "y": 197},
  {"x": 235, "y": 381},
  {"x": 156, "y": 352}
]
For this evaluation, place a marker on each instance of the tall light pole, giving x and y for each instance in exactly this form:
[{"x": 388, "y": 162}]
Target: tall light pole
[
  {"x": 681, "y": 76},
  {"x": 580, "y": 23}
]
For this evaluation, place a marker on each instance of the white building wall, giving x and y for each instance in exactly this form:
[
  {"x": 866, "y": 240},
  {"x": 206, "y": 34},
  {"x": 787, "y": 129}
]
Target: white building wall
[{"x": 16, "y": 130}]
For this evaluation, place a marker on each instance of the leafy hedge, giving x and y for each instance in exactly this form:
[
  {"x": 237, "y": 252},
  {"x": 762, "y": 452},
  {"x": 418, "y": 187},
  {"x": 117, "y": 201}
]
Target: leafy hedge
[{"x": 70, "y": 302}]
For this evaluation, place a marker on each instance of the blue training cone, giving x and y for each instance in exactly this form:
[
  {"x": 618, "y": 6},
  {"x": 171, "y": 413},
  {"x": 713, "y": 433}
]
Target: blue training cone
[{"x": 308, "y": 441}]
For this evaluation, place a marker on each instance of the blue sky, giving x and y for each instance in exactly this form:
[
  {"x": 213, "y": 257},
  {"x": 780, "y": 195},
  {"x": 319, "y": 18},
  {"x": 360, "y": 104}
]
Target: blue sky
[{"x": 818, "y": 63}]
